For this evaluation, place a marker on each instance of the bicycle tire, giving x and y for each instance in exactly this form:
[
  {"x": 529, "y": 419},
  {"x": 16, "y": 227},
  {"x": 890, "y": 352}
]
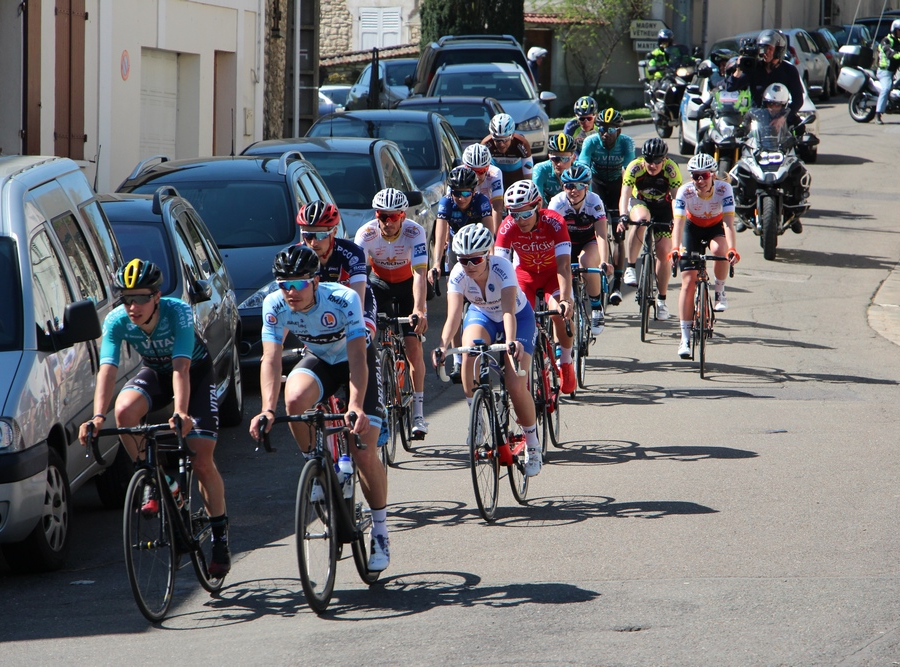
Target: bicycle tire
[
  {"x": 538, "y": 364},
  {"x": 389, "y": 383},
  {"x": 201, "y": 553},
  {"x": 582, "y": 341},
  {"x": 553, "y": 420},
  {"x": 404, "y": 414},
  {"x": 703, "y": 318},
  {"x": 150, "y": 558},
  {"x": 483, "y": 458},
  {"x": 315, "y": 529},
  {"x": 360, "y": 545},
  {"x": 518, "y": 481},
  {"x": 646, "y": 284}
]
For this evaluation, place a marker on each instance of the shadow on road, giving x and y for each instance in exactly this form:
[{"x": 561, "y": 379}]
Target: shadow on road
[
  {"x": 836, "y": 159},
  {"x": 587, "y": 452},
  {"x": 838, "y": 260},
  {"x": 816, "y": 213}
]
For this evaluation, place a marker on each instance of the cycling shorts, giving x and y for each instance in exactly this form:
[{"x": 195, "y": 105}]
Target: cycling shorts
[
  {"x": 531, "y": 283},
  {"x": 697, "y": 239},
  {"x": 578, "y": 248},
  {"x": 661, "y": 212},
  {"x": 609, "y": 193},
  {"x": 526, "y": 328},
  {"x": 386, "y": 293}
]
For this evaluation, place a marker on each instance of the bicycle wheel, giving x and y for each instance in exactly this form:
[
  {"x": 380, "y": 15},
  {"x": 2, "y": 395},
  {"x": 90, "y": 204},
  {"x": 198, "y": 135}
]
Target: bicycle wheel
[
  {"x": 553, "y": 406},
  {"x": 362, "y": 520},
  {"x": 538, "y": 364},
  {"x": 316, "y": 534},
  {"x": 149, "y": 547},
  {"x": 518, "y": 482},
  {"x": 201, "y": 554},
  {"x": 646, "y": 302},
  {"x": 391, "y": 401},
  {"x": 483, "y": 458},
  {"x": 703, "y": 319},
  {"x": 582, "y": 342},
  {"x": 405, "y": 394}
]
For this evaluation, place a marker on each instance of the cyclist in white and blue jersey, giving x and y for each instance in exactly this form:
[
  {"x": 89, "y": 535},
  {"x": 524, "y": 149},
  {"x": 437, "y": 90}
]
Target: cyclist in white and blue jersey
[
  {"x": 546, "y": 175},
  {"x": 328, "y": 319},
  {"x": 462, "y": 206}
]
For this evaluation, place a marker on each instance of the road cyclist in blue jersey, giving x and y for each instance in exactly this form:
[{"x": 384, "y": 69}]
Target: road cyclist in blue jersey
[
  {"x": 584, "y": 124},
  {"x": 177, "y": 369},
  {"x": 327, "y": 318},
  {"x": 546, "y": 175}
]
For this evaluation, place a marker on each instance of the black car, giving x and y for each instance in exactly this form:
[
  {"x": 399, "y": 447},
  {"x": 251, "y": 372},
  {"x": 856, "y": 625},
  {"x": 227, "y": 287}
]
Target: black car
[
  {"x": 469, "y": 116},
  {"x": 165, "y": 228}
]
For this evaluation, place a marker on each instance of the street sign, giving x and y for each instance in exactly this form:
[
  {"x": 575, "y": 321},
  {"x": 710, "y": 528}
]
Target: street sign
[
  {"x": 644, "y": 45},
  {"x": 645, "y": 29}
]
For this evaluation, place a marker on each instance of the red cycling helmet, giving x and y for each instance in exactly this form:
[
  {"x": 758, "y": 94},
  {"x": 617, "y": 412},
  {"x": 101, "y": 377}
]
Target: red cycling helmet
[{"x": 318, "y": 214}]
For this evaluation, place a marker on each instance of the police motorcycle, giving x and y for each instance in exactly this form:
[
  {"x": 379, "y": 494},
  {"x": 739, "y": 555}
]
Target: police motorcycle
[
  {"x": 663, "y": 96},
  {"x": 771, "y": 183},
  {"x": 858, "y": 79}
]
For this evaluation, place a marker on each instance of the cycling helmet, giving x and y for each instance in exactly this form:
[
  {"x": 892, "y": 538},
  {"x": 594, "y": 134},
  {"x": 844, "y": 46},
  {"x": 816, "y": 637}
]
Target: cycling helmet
[
  {"x": 895, "y": 25},
  {"x": 611, "y": 117},
  {"x": 665, "y": 35},
  {"x": 577, "y": 173},
  {"x": 298, "y": 261},
  {"x": 502, "y": 125},
  {"x": 654, "y": 149},
  {"x": 775, "y": 38},
  {"x": 318, "y": 214},
  {"x": 462, "y": 178},
  {"x": 476, "y": 156},
  {"x": 702, "y": 162},
  {"x": 561, "y": 143},
  {"x": 139, "y": 274},
  {"x": 473, "y": 240},
  {"x": 777, "y": 93},
  {"x": 536, "y": 52},
  {"x": 390, "y": 199},
  {"x": 585, "y": 106},
  {"x": 521, "y": 194}
]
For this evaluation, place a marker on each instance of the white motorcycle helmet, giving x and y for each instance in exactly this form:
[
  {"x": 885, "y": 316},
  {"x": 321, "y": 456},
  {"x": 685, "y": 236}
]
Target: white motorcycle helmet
[{"x": 776, "y": 98}]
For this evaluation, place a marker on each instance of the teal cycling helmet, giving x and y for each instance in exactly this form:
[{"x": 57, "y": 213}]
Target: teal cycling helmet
[{"x": 577, "y": 173}]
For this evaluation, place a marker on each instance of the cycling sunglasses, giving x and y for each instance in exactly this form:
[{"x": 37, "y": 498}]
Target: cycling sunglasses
[
  {"x": 522, "y": 215},
  {"x": 501, "y": 139},
  {"x": 316, "y": 236},
  {"x": 658, "y": 160},
  {"x": 474, "y": 261},
  {"x": 607, "y": 129},
  {"x": 700, "y": 175},
  {"x": 137, "y": 299},
  {"x": 384, "y": 216},
  {"x": 461, "y": 193},
  {"x": 480, "y": 170},
  {"x": 561, "y": 158},
  {"x": 575, "y": 186},
  {"x": 288, "y": 285},
  {"x": 589, "y": 119}
]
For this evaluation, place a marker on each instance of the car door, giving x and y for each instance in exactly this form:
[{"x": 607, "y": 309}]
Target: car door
[{"x": 816, "y": 63}]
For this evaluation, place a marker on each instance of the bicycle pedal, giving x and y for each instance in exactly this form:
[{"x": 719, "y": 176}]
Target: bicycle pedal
[{"x": 417, "y": 436}]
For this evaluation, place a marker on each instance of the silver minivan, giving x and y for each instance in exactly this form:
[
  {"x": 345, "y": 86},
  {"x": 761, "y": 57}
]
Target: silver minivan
[{"x": 58, "y": 257}]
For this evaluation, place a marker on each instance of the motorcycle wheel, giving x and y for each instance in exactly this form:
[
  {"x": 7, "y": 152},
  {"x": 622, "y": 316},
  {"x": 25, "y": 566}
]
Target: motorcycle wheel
[
  {"x": 664, "y": 131},
  {"x": 768, "y": 213},
  {"x": 858, "y": 112},
  {"x": 684, "y": 146},
  {"x": 725, "y": 166}
]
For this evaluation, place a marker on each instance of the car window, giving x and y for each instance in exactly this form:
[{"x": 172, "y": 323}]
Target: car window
[
  {"x": 51, "y": 291},
  {"x": 349, "y": 176},
  {"x": 396, "y": 73},
  {"x": 468, "y": 120},
  {"x": 11, "y": 329},
  {"x": 393, "y": 177},
  {"x": 75, "y": 245},
  {"x": 196, "y": 243},
  {"x": 500, "y": 85},
  {"x": 186, "y": 255},
  {"x": 209, "y": 246},
  {"x": 414, "y": 138},
  {"x": 148, "y": 241},
  {"x": 98, "y": 227},
  {"x": 478, "y": 55},
  {"x": 404, "y": 168},
  {"x": 364, "y": 77},
  {"x": 447, "y": 145}
]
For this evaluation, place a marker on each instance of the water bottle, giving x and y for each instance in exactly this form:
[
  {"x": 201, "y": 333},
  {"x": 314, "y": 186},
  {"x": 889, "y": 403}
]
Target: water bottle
[
  {"x": 176, "y": 492},
  {"x": 345, "y": 474}
]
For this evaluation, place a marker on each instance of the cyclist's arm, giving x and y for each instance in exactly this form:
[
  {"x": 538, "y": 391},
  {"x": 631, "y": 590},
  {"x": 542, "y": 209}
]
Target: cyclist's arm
[
  {"x": 441, "y": 233},
  {"x": 269, "y": 383},
  {"x": 181, "y": 389},
  {"x": 600, "y": 228},
  {"x": 419, "y": 293},
  {"x": 508, "y": 301},
  {"x": 103, "y": 391},
  {"x": 527, "y": 160},
  {"x": 624, "y": 196},
  {"x": 564, "y": 273},
  {"x": 730, "y": 235},
  {"x": 359, "y": 378},
  {"x": 677, "y": 232},
  {"x": 497, "y": 217},
  {"x": 454, "y": 316}
]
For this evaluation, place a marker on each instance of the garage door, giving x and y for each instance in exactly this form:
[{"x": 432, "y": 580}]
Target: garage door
[{"x": 159, "y": 102}]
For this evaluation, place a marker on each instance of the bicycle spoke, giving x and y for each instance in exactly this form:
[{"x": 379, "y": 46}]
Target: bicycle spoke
[
  {"x": 316, "y": 535},
  {"x": 483, "y": 458}
]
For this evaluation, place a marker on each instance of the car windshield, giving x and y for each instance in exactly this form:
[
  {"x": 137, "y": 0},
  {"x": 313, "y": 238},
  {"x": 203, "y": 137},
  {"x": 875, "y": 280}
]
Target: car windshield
[
  {"x": 499, "y": 85},
  {"x": 11, "y": 324},
  {"x": 337, "y": 95},
  {"x": 147, "y": 241},
  {"x": 396, "y": 73},
  {"x": 414, "y": 139},
  {"x": 239, "y": 214},
  {"x": 856, "y": 35},
  {"x": 469, "y": 121},
  {"x": 350, "y": 177}
]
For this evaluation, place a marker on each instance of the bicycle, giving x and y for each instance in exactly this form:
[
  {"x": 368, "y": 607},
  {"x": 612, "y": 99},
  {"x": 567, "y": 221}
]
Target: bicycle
[
  {"x": 327, "y": 515},
  {"x": 646, "y": 287},
  {"x": 155, "y": 540},
  {"x": 704, "y": 314},
  {"x": 584, "y": 338},
  {"x": 397, "y": 383},
  {"x": 491, "y": 441},
  {"x": 545, "y": 376}
]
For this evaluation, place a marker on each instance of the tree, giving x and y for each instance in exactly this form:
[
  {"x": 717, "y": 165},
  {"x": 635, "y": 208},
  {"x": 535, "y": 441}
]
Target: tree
[{"x": 471, "y": 17}]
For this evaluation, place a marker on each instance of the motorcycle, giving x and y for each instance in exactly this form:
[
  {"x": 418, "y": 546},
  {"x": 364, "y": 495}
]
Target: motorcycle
[
  {"x": 663, "y": 96},
  {"x": 863, "y": 85},
  {"x": 723, "y": 137},
  {"x": 765, "y": 190}
]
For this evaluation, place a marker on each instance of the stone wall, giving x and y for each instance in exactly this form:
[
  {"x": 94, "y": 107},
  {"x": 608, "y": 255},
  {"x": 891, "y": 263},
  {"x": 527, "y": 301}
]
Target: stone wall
[
  {"x": 273, "y": 106},
  {"x": 335, "y": 28}
]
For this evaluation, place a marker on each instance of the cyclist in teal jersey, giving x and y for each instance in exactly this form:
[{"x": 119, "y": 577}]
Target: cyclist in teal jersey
[
  {"x": 546, "y": 175},
  {"x": 177, "y": 369}
]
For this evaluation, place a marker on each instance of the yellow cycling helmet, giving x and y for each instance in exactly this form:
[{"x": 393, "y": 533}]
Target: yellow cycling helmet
[{"x": 139, "y": 274}]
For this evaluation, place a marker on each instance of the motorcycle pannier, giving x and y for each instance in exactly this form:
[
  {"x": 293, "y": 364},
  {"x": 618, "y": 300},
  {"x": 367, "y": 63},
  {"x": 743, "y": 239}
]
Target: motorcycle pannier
[
  {"x": 856, "y": 56},
  {"x": 851, "y": 80}
]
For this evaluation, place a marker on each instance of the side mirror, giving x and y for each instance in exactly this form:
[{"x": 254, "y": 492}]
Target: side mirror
[
  {"x": 200, "y": 291},
  {"x": 80, "y": 324},
  {"x": 692, "y": 89},
  {"x": 547, "y": 96},
  {"x": 414, "y": 197}
]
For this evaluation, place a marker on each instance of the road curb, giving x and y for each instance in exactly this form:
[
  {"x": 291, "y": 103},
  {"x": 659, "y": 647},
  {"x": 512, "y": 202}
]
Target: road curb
[{"x": 884, "y": 312}]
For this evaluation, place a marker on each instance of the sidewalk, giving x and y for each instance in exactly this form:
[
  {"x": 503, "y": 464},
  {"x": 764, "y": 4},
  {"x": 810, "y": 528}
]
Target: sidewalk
[{"x": 884, "y": 311}]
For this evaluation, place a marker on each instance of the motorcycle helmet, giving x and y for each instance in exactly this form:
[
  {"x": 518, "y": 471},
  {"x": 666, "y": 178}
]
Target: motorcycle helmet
[
  {"x": 390, "y": 199},
  {"x": 536, "y": 52},
  {"x": 585, "y": 106},
  {"x": 895, "y": 25},
  {"x": 521, "y": 194},
  {"x": 476, "y": 156},
  {"x": 318, "y": 214},
  {"x": 776, "y": 95},
  {"x": 665, "y": 36},
  {"x": 502, "y": 126},
  {"x": 774, "y": 38},
  {"x": 577, "y": 173},
  {"x": 732, "y": 64},
  {"x": 705, "y": 69},
  {"x": 462, "y": 178},
  {"x": 298, "y": 261},
  {"x": 702, "y": 162},
  {"x": 561, "y": 143},
  {"x": 654, "y": 149},
  {"x": 139, "y": 274},
  {"x": 473, "y": 240},
  {"x": 719, "y": 56}
]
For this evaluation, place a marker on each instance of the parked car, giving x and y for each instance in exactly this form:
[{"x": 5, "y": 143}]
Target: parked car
[
  {"x": 250, "y": 206},
  {"x": 428, "y": 143},
  {"x": 58, "y": 257},
  {"x": 852, "y": 35},
  {"x": 166, "y": 229},
  {"x": 465, "y": 49},
  {"x": 510, "y": 85},
  {"x": 332, "y": 99},
  {"x": 878, "y": 26},
  {"x": 829, "y": 46},
  {"x": 393, "y": 75},
  {"x": 469, "y": 116}
]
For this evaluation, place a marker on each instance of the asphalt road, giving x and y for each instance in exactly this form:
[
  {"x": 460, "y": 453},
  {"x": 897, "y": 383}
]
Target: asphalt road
[{"x": 746, "y": 519}]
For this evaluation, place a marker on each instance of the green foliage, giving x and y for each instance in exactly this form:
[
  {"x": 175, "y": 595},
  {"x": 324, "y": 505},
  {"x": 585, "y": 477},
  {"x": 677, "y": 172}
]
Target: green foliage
[{"x": 471, "y": 17}]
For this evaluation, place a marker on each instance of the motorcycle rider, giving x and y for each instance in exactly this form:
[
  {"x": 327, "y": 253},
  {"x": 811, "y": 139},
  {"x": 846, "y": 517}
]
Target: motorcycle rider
[
  {"x": 888, "y": 63},
  {"x": 658, "y": 62}
]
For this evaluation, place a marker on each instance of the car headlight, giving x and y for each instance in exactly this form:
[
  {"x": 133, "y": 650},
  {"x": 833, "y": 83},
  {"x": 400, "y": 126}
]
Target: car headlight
[
  {"x": 10, "y": 435},
  {"x": 530, "y": 125},
  {"x": 256, "y": 299}
]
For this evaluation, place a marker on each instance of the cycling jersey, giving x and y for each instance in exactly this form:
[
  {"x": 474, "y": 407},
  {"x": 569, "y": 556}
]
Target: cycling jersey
[
  {"x": 580, "y": 223},
  {"x": 546, "y": 179},
  {"x": 347, "y": 265},
  {"x": 325, "y": 329},
  {"x": 704, "y": 212},
  {"x": 479, "y": 207},
  {"x": 574, "y": 129},
  {"x": 394, "y": 261},
  {"x": 537, "y": 250},
  {"x": 500, "y": 274},
  {"x": 606, "y": 165},
  {"x": 174, "y": 337},
  {"x": 515, "y": 162},
  {"x": 649, "y": 188},
  {"x": 492, "y": 185}
]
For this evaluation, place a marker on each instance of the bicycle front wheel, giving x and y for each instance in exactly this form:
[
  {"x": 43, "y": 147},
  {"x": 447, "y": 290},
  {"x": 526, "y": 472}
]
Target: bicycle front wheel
[
  {"x": 483, "y": 456},
  {"x": 553, "y": 406},
  {"x": 405, "y": 397},
  {"x": 149, "y": 546},
  {"x": 201, "y": 554},
  {"x": 316, "y": 535},
  {"x": 516, "y": 471},
  {"x": 391, "y": 401},
  {"x": 703, "y": 319},
  {"x": 582, "y": 338},
  {"x": 646, "y": 286}
]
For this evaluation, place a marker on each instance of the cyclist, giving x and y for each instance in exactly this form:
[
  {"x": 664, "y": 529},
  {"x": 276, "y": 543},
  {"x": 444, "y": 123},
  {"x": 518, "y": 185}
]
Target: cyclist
[
  {"x": 584, "y": 124},
  {"x": 707, "y": 206},
  {"x": 498, "y": 311},
  {"x": 648, "y": 186},
  {"x": 540, "y": 239},
  {"x": 176, "y": 368},
  {"x": 396, "y": 248},
  {"x": 490, "y": 180},
  {"x": 509, "y": 150},
  {"x": 561, "y": 150},
  {"x": 585, "y": 217},
  {"x": 607, "y": 153},
  {"x": 327, "y": 318}
]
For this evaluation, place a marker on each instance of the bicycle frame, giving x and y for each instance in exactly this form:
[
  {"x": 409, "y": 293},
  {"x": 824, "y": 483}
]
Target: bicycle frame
[
  {"x": 583, "y": 334},
  {"x": 646, "y": 292}
]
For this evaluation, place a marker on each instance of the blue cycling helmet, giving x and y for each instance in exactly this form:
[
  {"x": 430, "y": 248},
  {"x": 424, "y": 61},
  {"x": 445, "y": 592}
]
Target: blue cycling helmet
[{"x": 577, "y": 173}]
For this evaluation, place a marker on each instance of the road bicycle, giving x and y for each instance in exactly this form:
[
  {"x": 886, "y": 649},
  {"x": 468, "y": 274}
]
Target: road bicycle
[
  {"x": 493, "y": 440},
  {"x": 581, "y": 319},
  {"x": 156, "y": 538},
  {"x": 704, "y": 314},
  {"x": 545, "y": 376},
  {"x": 646, "y": 287},
  {"x": 327, "y": 514}
]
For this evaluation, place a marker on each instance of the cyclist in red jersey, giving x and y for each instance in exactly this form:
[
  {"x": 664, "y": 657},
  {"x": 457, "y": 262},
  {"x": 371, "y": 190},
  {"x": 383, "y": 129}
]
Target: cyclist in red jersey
[{"x": 540, "y": 239}]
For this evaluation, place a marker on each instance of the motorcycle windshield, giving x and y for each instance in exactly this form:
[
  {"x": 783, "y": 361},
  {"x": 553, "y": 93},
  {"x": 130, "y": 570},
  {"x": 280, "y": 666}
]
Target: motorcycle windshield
[{"x": 765, "y": 132}]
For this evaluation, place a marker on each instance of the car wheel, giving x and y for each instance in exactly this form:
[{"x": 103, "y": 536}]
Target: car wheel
[
  {"x": 48, "y": 544},
  {"x": 231, "y": 412},
  {"x": 112, "y": 483},
  {"x": 684, "y": 147},
  {"x": 827, "y": 87}
]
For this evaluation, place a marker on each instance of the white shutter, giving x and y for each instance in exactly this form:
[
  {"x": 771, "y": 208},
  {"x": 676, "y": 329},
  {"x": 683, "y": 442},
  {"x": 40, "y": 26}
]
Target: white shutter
[
  {"x": 379, "y": 27},
  {"x": 390, "y": 27}
]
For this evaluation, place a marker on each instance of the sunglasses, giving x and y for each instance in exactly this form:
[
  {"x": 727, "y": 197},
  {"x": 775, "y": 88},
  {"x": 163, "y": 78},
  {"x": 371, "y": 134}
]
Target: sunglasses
[
  {"x": 137, "y": 299},
  {"x": 474, "y": 261},
  {"x": 561, "y": 158},
  {"x": 316, "y": 236},
  {"x": 656, "y": 161},
  {"x": 522, "y": 215},
  {"x": 700, "y": 175},
  {"x": 586, "y": 119},
  {"x": 607, "y": 130},
  {"x": 480, "y": 170},
  {"x": 461, "y": 193},
  {"x": 500, "y": 139},
  {"x": 575, "y": 186},
  {"x": 288, "y": 285},
  {"x": 389, "y": 217}
]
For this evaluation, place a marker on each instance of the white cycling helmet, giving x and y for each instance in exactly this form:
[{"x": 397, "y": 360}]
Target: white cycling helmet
[
  {"x": 473, "y": 240},
  {"x": 777, "y": 93},
  {"x": 521, "y": 194},
  {"x": 502, "y": 125},
  {"x": 390, "y": 199},
  {"x": 702, "y": 162},
  {"x": 476, "y": 156}
]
